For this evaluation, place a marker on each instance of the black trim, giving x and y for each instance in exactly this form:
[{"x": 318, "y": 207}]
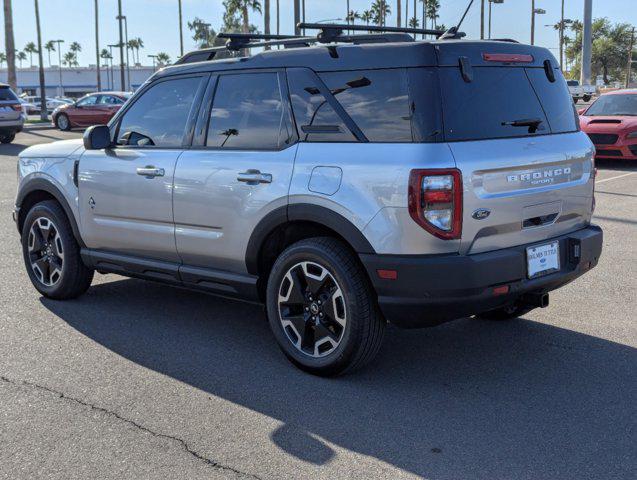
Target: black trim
[
  {"x": 39, "y": 184},
  {"x": 228, "y": 284},
  {"x": 298, "y": 213},
  {"x": 432, "y": 289}
]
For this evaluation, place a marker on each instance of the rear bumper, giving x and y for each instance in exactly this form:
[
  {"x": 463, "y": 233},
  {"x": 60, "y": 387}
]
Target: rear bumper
[{"x": 429, "y": 290}]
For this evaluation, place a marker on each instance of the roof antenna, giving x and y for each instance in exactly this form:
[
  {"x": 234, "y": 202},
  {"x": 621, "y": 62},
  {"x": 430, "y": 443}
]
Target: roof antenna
[{"x": 453, "y": 31}]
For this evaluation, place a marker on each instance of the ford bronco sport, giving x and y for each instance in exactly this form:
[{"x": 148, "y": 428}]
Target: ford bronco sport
[{"x": 345, "y": 185}]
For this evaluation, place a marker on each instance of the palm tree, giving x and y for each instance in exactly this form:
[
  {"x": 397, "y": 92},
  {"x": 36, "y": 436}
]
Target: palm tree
[
  {"x": 49, "y": 47},
  {"x": 352, "y": 16},
  {"x": 433, "y": 7},
  {"x": 97, "y": 47},
  {"x": 243, "y": 7},
  {"x": 367, "y": 16},
  {"x": 162, "y": 59},
  {"x": 30, "y": 48},
  {"x": 414, "y": 22},
  {"x": 380, "y": 9},
  {"x": 9, "y": 43},
  {"x": 202, "y": 33},
  {"x": 398, "y": 12},
  {"x": 139, "y": 46},
  {"x": 70, "y": 59},
  {"x": 21, "y": 56},
  {"x": 75, "y": 47},
  {"x": 278, "y": 18},
  {"x": 43, "y": 111}
]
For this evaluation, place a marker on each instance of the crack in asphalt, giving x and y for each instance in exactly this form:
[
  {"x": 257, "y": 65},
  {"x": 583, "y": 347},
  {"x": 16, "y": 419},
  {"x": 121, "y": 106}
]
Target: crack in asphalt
[{"x": 184, "y": 445}]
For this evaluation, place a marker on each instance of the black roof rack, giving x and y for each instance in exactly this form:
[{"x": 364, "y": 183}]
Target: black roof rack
[
  {"x": 330, "y": 32},
  {"x": 238, "y": 41}
]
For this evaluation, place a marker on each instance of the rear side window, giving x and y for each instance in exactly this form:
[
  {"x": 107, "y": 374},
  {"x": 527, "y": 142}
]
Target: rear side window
[
  {"x": 315, "y": 118},
  {"x": 488, "y": 106},
  {"x": 159, "y": 116},
  {"x": 6, "y": 94},
  {"x": 377, "y": 101},
  {"x": 555, "y": 99},
  {"x": 247, "y": 112}
]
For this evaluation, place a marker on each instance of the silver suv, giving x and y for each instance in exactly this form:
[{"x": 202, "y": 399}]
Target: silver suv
[
  {"x": 343, "y": 185},
  {"x": 12, "y": 116}
]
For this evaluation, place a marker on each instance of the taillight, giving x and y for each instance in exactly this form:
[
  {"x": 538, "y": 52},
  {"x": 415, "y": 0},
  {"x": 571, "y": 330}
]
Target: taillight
[
  {"x": 17, "y": 107},
  {"x": 435, "y": 201}
]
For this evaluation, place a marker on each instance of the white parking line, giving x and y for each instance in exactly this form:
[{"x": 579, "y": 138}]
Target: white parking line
[{"x": 613, "y": 178}]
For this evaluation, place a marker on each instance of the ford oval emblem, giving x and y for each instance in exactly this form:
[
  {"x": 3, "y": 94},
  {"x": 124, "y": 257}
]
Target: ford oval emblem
[{"x": 481, "y": 213}]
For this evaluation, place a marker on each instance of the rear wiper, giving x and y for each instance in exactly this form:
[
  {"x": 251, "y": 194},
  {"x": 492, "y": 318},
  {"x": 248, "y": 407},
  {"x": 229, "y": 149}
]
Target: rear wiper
[{"x": 532, "y": 123}]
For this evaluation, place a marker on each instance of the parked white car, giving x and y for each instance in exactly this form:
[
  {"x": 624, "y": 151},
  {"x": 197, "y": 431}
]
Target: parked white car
[{"x": 51, "y": 103}]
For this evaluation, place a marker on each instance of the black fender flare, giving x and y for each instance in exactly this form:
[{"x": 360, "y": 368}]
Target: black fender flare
[
  {"x": 40, "y": 184},
  {"x": 303, "y": 212}
]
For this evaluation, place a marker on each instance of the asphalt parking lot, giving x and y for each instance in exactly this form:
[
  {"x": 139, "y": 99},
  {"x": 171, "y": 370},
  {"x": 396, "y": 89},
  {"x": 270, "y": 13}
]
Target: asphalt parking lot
[{"x": 139, "y": 380}]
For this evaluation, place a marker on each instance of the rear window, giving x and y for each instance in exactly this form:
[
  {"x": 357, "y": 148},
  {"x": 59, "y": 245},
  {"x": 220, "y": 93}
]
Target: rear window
[
  {"x": 6, "y": 94},
  {"x": 502, "y": 102},
  {"x": 377, "y": 101}
]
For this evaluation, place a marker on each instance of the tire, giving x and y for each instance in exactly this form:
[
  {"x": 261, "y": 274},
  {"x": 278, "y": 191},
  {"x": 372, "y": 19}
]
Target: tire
[
  {"x": 586, "y": 98},
  {"x": 7, "y": 138},
  {"x": 51, "y": 253},
  {"x": 503, "y": 314},
  {"x": 340, "y": 329},
  {"x": 62, "y": 122}
]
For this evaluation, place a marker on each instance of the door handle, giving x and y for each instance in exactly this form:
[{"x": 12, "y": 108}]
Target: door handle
[
  {"x": 150, "y": 171},
  {"x": 254, "y": 177}
]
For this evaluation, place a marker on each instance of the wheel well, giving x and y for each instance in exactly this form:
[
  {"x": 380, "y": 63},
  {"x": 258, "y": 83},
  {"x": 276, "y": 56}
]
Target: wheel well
[
  {"x": 27, "y": 203},
  {"x": 282, "y": 237}
]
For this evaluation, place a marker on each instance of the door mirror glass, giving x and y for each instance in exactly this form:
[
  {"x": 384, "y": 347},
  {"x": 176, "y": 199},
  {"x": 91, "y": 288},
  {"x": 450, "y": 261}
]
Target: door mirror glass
[{"x": 97, "y": 137}]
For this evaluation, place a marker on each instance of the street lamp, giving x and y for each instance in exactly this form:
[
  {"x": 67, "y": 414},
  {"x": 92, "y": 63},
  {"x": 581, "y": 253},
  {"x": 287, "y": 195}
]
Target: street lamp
[
  {"x": 534, "y": 12},
  {"x": 59, "y": 66},
  {"x": 153, "y": 57},
  {"x": 491, "y": 2},
  {"x": 110, "y": 48},
  {"x": 123, "y": 17}
]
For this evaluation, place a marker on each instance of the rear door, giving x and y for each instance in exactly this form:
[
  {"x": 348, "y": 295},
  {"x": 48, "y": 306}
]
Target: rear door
[
  {"x": 126, "y": 192},
  {"x": 526, "y": 167},
  {"x": 108, "y": 106},
  {"x": 237, "y": 171}
]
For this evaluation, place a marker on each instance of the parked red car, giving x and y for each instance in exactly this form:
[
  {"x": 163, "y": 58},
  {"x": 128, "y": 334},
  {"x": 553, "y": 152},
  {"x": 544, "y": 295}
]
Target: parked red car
[
  {"x": 611, "y": 123},
  {"x": 93, "y": 109}
]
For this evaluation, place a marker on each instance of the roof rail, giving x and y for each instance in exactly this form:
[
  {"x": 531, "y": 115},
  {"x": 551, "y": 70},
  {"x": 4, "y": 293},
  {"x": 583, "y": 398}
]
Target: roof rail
[
  {"x": 330, "y": 32},
  {"x": 238, "y": 41}
]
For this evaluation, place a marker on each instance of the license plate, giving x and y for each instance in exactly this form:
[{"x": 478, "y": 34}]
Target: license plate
[{"x": 543, "y": 259}]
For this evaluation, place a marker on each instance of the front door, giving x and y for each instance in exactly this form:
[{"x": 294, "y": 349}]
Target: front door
[
  {"x": 239, "y": 171},
  {"x": 126, "y": 191}
]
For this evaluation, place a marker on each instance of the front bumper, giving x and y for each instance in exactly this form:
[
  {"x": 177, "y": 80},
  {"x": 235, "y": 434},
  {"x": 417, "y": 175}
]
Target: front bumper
[{"x": 429, "y": 290}]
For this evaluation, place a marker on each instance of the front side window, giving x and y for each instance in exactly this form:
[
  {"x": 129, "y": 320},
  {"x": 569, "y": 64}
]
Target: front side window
[
  {"x": 315, "y": 118},
  {"x": 159, "y": 116},
  {"x": 86, "y": 101},
  {"x": 110, "y": 100},
  {"x": 247, "y": 112},
  {"x": 377, "y": 101}
]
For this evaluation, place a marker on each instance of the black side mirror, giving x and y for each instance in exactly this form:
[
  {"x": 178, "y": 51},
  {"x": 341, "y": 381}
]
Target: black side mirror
[{"x": 97, "y": 137}]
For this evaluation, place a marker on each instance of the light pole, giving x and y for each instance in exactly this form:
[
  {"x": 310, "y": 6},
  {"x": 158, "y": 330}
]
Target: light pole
[
  {"x": 110, "y": 48},
  {"x": 59, "y": 42},
  {"x": 491, "y": 2},
  {"x": 123, "y": 17},
  {"x": 534, "y": 12},
  {"x": 181, "y": 33},
  {"x": 153, "y": 57},
  {"x": 121, "y": 45}
]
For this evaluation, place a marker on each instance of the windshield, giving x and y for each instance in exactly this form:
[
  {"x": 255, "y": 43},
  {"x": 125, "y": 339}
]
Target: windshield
[{"x": 625, "y": 104}]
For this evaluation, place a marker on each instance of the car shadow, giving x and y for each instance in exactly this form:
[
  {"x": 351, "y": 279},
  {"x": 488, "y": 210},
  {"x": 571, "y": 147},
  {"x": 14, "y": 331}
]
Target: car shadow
[{"x": 469, "y": 399}]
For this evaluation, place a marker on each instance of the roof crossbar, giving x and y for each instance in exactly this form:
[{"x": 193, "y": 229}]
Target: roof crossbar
[
  {"x": 330, "y": 32},
  {"x": 238, "y": 41}
]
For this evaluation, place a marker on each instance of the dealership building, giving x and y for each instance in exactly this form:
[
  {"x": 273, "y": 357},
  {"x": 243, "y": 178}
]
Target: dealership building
[{"x": 77, "y": 81}]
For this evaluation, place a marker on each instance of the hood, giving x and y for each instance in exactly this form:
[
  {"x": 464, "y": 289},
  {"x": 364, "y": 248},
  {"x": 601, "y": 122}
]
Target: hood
[
  {"x": 615, "y": 124},
  {"x": 59, "y": 149}
]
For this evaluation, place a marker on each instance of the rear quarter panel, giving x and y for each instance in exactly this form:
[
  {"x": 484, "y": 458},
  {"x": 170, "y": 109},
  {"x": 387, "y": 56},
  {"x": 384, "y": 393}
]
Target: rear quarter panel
[{"x": 372, "y": 189}]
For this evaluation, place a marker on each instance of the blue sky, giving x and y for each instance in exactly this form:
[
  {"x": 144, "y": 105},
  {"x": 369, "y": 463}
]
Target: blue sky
[{"x": 155, "y": 21}]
